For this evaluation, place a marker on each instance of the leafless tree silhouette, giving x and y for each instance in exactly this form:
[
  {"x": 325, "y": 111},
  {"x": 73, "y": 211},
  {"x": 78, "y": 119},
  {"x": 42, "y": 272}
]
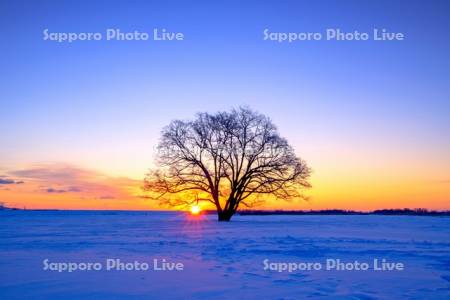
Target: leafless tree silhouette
[{"x": 228, "y": 159}]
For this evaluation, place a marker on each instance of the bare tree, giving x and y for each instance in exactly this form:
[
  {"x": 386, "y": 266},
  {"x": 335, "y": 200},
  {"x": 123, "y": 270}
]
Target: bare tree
[{"x": 228, "y": 159}]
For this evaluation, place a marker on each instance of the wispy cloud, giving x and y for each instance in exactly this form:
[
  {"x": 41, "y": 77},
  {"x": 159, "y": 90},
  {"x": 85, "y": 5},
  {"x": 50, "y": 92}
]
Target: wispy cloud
[
  {"x": 60, "y": 191},
  {"x": 52, "y": 190},
  {"x": 64, "y": 178},
  {"x": 54, "y": 172},
  {"x": 107, "y": 197},
  {"x": 5, "y": 180}
]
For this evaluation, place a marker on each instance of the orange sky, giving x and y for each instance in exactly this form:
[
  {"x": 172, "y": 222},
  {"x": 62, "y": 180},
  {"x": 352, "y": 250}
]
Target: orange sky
[{"x": 65, "y": 186}]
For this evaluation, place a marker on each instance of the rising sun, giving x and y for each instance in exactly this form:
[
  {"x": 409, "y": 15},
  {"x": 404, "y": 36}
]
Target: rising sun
[{"x": 195, "y": 209}]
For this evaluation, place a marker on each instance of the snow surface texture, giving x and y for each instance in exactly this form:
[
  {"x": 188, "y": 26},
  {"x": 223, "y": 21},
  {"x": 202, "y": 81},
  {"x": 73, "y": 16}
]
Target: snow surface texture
[{"x": 221, "y": 260}]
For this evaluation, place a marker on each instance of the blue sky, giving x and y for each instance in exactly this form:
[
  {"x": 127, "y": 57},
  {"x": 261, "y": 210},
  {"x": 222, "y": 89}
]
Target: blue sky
[{"x": 102, "y": 104}]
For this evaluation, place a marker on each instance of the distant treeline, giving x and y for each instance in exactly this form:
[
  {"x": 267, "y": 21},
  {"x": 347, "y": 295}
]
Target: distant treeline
[{"x": 394, "y": 212}]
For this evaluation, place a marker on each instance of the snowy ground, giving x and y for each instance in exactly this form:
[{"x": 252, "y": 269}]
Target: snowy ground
[{"x": 221, "y": 260}]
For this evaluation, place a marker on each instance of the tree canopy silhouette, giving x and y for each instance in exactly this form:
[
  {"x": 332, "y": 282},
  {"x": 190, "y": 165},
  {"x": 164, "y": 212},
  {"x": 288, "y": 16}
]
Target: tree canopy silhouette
[{"x": 229, "y": 159}]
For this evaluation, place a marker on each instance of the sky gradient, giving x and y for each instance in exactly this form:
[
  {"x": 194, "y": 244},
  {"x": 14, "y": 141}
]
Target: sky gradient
[{"x": 79, "y": 121}]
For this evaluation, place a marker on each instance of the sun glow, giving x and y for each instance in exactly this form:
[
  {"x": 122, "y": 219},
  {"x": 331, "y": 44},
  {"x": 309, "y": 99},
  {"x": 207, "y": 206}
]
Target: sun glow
[{"x": 195, "y": 209}]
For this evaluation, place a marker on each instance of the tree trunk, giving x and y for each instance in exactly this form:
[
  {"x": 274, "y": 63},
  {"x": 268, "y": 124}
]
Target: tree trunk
[{"x": 225, "y": 216}]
